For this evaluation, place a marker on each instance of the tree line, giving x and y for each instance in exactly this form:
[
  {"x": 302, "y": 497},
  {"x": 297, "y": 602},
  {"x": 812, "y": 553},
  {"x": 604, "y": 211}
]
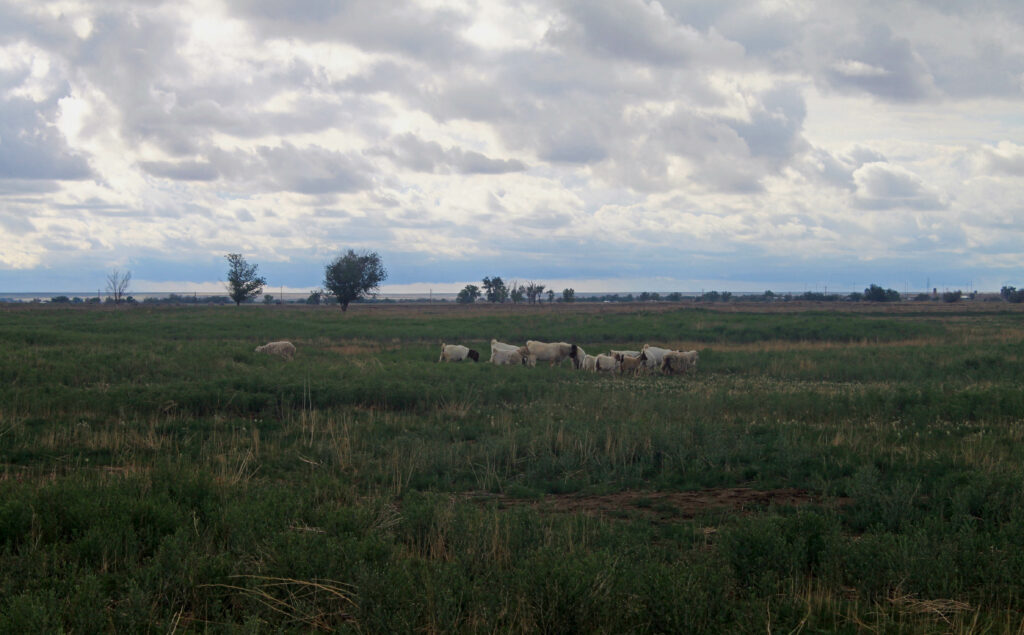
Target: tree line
[
  {"x": 495, "y": 290},
  {"x": 352, "y": 276}
]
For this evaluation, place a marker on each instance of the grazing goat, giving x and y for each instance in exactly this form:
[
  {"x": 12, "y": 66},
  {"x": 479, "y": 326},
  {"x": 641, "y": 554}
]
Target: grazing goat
[
  {"x": 500, "y": 346},
  {"x": 457, "y": 353},
  {"x": 607, "y": 363},
  {"x": 653, "y": 355},
  {"x": 626, "y": 353},
  {"x": 514, "y": 357},
  {"x": 578, "y": 355},
  {"x": 629, "y": 363},
  {"x": 554, "y": 352},
  {"x": 589, "y": 363},
  {"x": 678, "y": 362},
  {"x": 283, "y": 348}
]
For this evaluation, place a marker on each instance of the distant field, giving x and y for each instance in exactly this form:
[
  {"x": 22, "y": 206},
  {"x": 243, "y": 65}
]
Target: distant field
[{"x": 829, "y": 467}]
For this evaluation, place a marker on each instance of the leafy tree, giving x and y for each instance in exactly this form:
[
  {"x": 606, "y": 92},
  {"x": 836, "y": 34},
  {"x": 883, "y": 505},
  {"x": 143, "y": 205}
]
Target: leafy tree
[
  {"x": 315, "y": 297},
  {"x": 352, "y": 276},
  {"x": 952, "y": 296},
  {"x": 468, "y": 295},
  {"x": 243, "y": 282},
  {"x": 875, "y": 293},
  {"x": 716, "y": 296},
  {"x": 117, "y": 284},
  {"x": 60, "y": 299},
  {"x": 569, "y": 295},
  {"x": 495, "y": 289},
  {"x": 551, "y": 296},
  {"x": 268, "y": 299},
  {"x": 1011, "y": 294}
]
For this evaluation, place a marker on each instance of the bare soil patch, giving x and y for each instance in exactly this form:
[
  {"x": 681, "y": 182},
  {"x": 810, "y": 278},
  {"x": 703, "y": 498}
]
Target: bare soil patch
[{"x": 666, "y": 506}]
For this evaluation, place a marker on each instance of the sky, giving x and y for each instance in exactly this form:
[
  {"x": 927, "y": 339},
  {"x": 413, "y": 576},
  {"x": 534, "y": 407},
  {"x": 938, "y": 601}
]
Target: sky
[{"x": 604, "y": 145}]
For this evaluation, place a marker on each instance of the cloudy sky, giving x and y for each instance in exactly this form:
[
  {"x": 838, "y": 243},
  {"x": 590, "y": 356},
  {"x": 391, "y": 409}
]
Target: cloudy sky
[{"x": 608, "y": 145}]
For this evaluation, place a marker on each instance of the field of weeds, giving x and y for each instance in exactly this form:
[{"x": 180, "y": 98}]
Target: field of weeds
[{"x": 826, "y": 468}]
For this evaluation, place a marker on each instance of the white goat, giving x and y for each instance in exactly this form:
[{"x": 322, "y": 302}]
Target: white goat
[
  {"x": 457, "y": 353},
  {"x": 550, "y": 352},
  {"x": 578, "y": 355},
  {"x": 626, "y": 353},
  {"x": 283, "y": 348},
  {"x": 514, "y": 357},
  {"x": 500, "y": 346},
  {"x": 678, "y": 362},
  {"x": 653, "y": 355},
  {"x": 607, "y": 363}
]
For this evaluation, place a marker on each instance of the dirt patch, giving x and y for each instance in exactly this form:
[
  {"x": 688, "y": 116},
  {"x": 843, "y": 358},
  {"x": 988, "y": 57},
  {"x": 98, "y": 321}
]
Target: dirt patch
[{"x": 665, "y": 505}]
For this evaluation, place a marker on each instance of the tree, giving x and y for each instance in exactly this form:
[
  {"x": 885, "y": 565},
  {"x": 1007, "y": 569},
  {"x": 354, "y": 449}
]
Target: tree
[
  {"x": 352, "y": 276},
  {"x": 533, "y": 291},
  {"x": 495, "y": 289},
  {"x": 468, "y": 295},
  {"x": 517, "y": 292},
  {"x": 243, "y": 283},
  {"x": 568, "y": 295},
  {"x": 512, "y": 295},
  {"x": 315, "y": 297},
  {"x": 117, "y": 284},
  {"x": 1011, "y": 294},
  {"x": 551, "y": 296},
  {"x": 875, "y": 293}
]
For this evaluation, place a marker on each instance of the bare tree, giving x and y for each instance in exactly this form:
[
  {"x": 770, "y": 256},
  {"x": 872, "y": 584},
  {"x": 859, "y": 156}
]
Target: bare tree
[
  {"x": 117, "y": 284},
  {"x": 533, "y": 291}
]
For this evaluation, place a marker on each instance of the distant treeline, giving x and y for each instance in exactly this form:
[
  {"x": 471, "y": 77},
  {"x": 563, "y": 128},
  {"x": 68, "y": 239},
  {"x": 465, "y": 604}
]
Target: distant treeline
[{"x": 873, "y": 293}]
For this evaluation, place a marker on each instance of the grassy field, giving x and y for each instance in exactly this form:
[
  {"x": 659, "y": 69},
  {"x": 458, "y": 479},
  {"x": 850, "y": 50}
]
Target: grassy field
[{"x": 840, "y": 468}]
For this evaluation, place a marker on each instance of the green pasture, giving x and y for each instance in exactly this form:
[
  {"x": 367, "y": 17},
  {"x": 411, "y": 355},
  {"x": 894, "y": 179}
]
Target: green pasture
[{"x": 823, "y": 470}]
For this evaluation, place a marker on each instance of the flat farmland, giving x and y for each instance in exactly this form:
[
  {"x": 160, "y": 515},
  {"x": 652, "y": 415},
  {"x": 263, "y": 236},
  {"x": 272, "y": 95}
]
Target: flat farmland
[{"x": 827, "y": 468}]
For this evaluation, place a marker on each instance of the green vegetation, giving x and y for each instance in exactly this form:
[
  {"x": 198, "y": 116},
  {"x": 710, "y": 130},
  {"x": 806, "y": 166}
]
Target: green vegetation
[{"x": 841, "y": 470}]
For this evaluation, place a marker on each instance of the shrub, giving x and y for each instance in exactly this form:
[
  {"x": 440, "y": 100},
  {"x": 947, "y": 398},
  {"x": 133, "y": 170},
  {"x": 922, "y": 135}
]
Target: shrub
[
  {"x": 1011, "y": 294},
  {"x": 875, "y": 293}
]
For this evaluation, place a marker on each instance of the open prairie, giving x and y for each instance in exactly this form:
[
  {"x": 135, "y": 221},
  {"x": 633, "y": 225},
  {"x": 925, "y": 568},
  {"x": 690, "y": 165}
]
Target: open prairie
[{"x": 827, "y": 467}]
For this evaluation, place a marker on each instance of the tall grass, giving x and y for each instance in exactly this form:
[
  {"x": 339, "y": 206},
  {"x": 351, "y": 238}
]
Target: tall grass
[{"x": 155, "y": 473}]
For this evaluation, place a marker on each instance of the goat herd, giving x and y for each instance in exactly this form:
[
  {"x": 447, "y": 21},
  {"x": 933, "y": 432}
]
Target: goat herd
[{"x": 633, "y": 362}]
